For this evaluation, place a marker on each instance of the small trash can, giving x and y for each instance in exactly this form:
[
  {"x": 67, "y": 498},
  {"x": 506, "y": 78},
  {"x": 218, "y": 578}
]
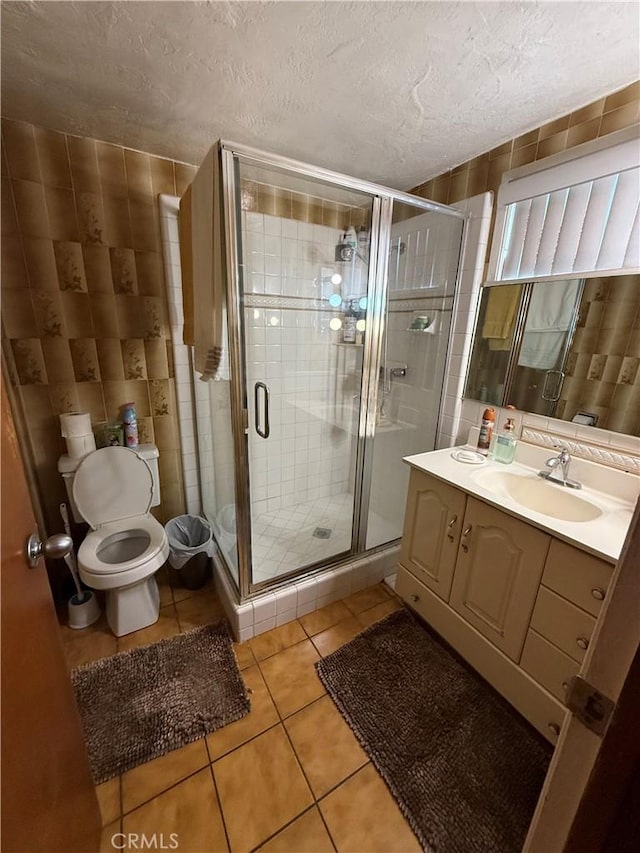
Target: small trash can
[{"x": 190, "y": 550}]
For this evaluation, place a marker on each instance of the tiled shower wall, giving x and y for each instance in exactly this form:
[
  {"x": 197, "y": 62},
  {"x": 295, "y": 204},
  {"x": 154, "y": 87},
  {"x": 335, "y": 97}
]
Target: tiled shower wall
[
  {"x": 312, "y": 377},
  {"x": 84, "y": 311}
]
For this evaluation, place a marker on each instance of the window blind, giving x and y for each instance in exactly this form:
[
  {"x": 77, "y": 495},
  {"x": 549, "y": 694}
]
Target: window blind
[{"x": 575, "y": 218}]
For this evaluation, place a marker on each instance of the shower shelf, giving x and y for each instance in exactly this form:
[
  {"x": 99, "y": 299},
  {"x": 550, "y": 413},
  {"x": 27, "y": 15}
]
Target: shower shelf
[
  {"x": 428, "y": 331},
  {"x": 346, "y": 344}
]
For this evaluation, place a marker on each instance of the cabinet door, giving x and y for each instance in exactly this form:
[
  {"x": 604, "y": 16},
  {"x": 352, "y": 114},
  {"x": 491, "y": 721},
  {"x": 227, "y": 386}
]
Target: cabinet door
[
  {"x": 498, "y": 571},
  {"x": 432, "y": 526}
]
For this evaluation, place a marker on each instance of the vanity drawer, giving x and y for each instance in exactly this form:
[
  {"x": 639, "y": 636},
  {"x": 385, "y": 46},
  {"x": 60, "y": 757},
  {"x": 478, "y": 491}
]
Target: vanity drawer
[
  {"x": 547, "y": 664},
  {"x": 576, "y": 576},
  {"x": 561, "y": 622}
]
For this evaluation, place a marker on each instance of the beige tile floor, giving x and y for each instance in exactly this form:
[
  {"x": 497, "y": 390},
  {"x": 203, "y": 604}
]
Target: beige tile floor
[{"x": 290, "y": 777}]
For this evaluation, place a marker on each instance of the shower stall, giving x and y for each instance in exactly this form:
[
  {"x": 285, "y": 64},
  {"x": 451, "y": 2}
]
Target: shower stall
[{"x": 339, "y": 303}]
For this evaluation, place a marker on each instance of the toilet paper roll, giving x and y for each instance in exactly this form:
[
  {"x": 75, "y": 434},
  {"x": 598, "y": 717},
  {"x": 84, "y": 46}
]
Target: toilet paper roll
[
  {"x": 75, "y": 423},
  {"x": 79, "y": 446}
]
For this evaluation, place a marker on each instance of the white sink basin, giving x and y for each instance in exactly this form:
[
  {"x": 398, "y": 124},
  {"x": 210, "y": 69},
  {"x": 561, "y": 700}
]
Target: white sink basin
[{"x": 539, "y": 495}]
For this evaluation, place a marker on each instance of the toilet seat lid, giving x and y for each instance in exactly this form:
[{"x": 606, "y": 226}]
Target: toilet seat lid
[{"x": 112, "y": 484}]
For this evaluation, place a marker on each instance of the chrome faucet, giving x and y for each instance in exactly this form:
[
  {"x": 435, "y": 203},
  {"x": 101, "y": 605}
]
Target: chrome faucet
[{"x": 562, "y": 461}]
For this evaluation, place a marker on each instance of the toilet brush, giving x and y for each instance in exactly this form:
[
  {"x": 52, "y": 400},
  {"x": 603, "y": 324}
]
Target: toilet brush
[{"x": 83, "y": 606}]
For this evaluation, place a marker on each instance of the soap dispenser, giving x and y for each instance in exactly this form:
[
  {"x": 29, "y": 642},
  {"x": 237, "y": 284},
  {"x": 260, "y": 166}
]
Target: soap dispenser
[{"x": 504, "y": 448}]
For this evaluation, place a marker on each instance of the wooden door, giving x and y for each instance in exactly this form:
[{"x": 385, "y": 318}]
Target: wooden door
[
  {"x": 48, "y": 798},
  {"x": 498, "y": 571},
  {"x": 433, "y": 521}
]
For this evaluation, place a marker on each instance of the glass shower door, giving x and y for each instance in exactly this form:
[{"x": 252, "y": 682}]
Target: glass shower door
[
  {"x": 422, "y": 269},
  {"x": 304, "y": 273}
]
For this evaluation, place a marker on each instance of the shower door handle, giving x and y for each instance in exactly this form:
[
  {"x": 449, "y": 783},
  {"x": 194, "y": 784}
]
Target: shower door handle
[{"x": 263, "y": 433}]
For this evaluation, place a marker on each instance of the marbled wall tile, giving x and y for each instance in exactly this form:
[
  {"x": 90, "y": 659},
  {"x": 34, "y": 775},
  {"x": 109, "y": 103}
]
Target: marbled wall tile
[
  {"x": 57, "y": 355},
  {"x": 20, "y": 148},
  {"x": 134, "y": 360},
  {"x": 113, "y": 179},
  {"x": 156, "y": 359},
  {"x": 117, "y": 221},
  {"x": 31, "y": 208},
  {"x": 146, "y": 434},
  {"x": 137, "y": 392},
  {"x": 64, "y": 313},
  {"x": 70, "y": 266},
  {"x": 29, "y": 361},
  {"x": 166, "y": 434},
  {"x": 54, "y": 158},
  {"x": 91, "y": 399},
  {"x": 41, "y": 263},
  {"x": 145, "y": 227},
  {"x": 77, "y": 314},
  {"x": 9, "y": 217},
  {"x": 150, "y": 274},
  {"x": 36, "y": 401},
  {"x": 61, "y": 210},
  {"x": 85, "y": 359},
  {"x": 138, "y": 172},
  {"x": 130, "y": 316},
  {"x": 90, "y": 218},
  {"x": 628, "y": 374},
  {"x": 110, "y": 359},
  {"x": 50, "y": 317},
  {"x": 84, "y": 164},
  {"x": 104, "y": 315},
  {"x": 184, "y": 175},
  {"x": 160, "y": 398},
  {"x": 64, "y": 397},
  {"x": 123, "y": 271},
  {"x": 153, "y": 320},
  {"x": 162, "y": 176},
  {"x": 97, "y": 265},
  {"x": 14, "y": 270}
]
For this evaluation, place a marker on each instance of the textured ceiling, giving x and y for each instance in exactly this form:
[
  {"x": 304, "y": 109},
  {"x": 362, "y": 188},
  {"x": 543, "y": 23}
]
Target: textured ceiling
[{"x": 389, "y": 91}]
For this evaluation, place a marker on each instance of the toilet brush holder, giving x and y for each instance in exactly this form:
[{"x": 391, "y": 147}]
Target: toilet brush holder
[{"x": 83, "y": 611}]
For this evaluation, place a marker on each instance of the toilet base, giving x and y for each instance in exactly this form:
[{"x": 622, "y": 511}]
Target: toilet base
[{"x": 134, "y": 607}]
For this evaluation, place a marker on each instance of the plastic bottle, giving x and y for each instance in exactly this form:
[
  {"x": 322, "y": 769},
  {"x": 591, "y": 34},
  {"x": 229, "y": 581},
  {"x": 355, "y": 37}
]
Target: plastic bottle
[
  {"x": 363, "y": 242},
  {"x": 486, "y": 430},
  {"x": 130, "y": 421},
  {"x": 504, "y": 446},
  {"x": 349, "y": 326}
]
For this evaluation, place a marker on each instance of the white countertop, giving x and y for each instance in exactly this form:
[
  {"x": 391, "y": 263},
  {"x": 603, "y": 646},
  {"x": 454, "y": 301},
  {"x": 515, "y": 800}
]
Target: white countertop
[{"x": 613, "y": 492}]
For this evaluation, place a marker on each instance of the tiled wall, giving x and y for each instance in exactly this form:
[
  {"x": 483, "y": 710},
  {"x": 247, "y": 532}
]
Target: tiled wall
[
  {"x": 603, "y": 364},
  {"x": 290, "y": 347},
  {"x": 84, "y": 312},
  {"x": 484, "y": 173},
  {"x": 619, "y": 110}
]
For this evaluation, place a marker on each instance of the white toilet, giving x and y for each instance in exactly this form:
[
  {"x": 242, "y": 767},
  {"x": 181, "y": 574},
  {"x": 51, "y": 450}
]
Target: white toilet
[{"x": 113, "y": 489}]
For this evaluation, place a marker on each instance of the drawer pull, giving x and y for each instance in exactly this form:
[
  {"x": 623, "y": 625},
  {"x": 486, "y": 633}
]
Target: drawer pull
[
  {"x": 598, "y": 592},
  {"x": 555, "y": 728},
  {"x": 415, "y": 598},
  {"x": 582, "y": 643}
]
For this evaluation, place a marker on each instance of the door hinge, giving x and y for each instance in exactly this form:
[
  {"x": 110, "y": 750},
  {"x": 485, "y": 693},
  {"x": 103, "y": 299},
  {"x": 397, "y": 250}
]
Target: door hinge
[{"x": 592, "y": 708}]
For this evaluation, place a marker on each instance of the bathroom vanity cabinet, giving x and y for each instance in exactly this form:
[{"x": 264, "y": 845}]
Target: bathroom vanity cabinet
[{"x": 518, "y": 604}]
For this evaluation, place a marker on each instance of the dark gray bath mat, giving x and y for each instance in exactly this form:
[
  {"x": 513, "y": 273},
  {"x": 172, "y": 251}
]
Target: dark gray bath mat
[
  {"x": 140, "y": 704},
  {"x": 465, "y": 769}
]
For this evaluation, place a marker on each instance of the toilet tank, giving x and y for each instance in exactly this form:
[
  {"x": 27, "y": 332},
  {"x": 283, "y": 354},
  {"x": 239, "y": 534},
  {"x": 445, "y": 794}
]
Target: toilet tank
[{"x": 67, "y": 466}]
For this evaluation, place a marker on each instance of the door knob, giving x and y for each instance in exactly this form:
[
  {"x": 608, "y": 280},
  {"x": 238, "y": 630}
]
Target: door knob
[{"x": 55, "y": 547}]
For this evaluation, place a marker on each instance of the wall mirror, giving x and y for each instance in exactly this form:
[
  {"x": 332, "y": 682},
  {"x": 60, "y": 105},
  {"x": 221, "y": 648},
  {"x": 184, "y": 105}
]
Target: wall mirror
[{"x": 567, "y": 349}]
